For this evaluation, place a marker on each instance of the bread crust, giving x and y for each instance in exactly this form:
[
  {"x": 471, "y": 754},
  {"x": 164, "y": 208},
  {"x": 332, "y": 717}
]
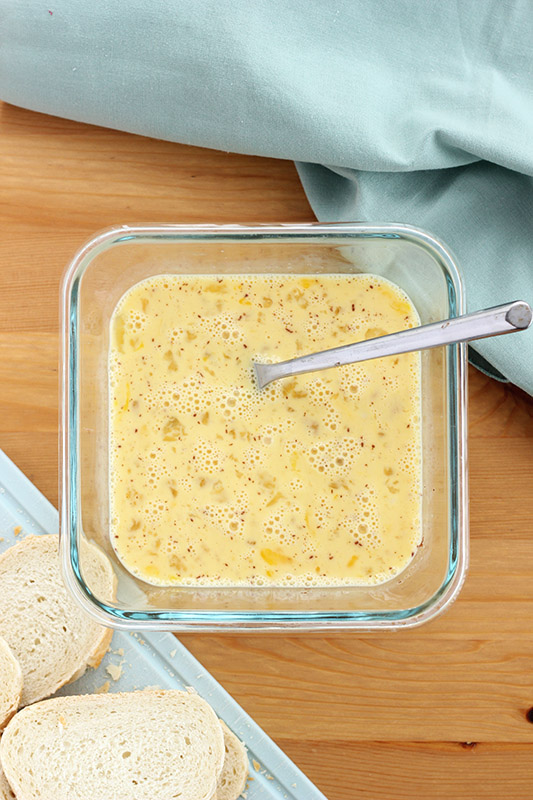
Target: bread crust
[{"x": 232, "y": 780}]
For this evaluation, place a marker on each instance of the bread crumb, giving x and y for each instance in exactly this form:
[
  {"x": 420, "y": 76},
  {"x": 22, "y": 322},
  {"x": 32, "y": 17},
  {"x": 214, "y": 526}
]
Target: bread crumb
[
  {"x": 115, "y": 670},
  {"x": 173, "y": 653},
  {"x": 120, "y": 651},
  {"x": 257, "y": 765},
  {"x": 270, "y": 778},
  {"x": 103, "y": 689},
  {"x": 17, "y": 530},
  {"x": 1, "y": 538}
]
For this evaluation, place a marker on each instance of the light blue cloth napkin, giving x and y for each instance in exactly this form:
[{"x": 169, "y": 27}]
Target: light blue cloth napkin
[{"x": 416, "y": 111}]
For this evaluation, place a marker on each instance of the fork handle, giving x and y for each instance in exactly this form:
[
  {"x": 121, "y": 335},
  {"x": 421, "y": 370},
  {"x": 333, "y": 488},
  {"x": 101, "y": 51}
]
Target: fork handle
[{"x": 508, "y": 318}]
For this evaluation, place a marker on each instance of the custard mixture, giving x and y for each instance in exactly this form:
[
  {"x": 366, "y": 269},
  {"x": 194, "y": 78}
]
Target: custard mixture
[{"x": 316, "y": 480}]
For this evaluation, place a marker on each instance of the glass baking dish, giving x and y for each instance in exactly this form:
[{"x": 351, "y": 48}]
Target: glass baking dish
[{"x": 116, "y": 259}]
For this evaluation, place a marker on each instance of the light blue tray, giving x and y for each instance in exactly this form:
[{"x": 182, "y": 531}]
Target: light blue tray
[{"x": 137, "y": 661}]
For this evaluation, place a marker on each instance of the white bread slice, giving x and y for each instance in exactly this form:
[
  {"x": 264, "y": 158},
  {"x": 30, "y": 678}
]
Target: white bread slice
[
  {"x": 10, "y": 683},
  {"x": 5, "y": 789},
  {"x": 52, "y": 638},
  {"x": 150, "y": 745},
  {"x": 235, "y": 770}
]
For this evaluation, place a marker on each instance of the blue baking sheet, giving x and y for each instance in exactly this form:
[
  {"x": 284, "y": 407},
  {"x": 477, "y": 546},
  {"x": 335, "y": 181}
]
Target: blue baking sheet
[{"x": 158, "y": 660}]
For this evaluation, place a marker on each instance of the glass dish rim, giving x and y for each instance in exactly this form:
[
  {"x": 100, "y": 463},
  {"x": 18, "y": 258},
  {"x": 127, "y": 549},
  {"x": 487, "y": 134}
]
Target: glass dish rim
[{"x": 217, "y": 620}]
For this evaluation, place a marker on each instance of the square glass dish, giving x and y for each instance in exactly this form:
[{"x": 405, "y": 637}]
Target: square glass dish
[{"x": 115, "y": 260}]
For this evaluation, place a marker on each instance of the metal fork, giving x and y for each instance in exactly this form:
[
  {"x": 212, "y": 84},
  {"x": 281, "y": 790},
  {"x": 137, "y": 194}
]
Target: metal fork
[{"x": 508, "y": 318}]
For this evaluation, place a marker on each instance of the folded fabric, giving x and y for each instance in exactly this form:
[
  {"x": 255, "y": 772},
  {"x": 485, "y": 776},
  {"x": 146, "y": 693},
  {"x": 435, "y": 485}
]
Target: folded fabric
[{"x": 396, "y": 111}]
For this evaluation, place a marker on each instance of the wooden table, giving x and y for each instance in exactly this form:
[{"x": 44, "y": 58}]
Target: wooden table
[{"x": 437, "y": 712}]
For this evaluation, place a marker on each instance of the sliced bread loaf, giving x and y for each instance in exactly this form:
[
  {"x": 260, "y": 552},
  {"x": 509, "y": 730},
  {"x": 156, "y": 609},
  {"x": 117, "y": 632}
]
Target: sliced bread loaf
[
  {"x": 151, "y": 745},
  {"x": 235, "y": 770},
  {"x": 10, "y": 683},
  {"x": 52, "y": 638},
  {"x": 5, "y": 789}
]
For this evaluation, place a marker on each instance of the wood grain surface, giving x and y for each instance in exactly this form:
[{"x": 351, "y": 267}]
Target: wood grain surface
[{"x": 437, "y": 712}]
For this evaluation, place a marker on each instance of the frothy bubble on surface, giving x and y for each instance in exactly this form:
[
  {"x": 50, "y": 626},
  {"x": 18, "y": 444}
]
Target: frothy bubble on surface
[{"x": 300, "y": 473}]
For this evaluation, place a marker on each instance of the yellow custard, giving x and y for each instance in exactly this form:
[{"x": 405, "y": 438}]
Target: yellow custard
[{"x": 313, "y": 481}]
